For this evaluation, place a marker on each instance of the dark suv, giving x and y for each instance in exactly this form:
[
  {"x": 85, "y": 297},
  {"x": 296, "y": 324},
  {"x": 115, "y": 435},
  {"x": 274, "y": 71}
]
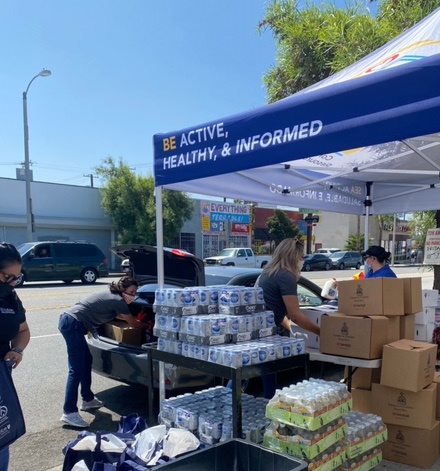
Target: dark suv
[
  {"x": 65, "y": 261},
  {"x": 346, "y": 259}
]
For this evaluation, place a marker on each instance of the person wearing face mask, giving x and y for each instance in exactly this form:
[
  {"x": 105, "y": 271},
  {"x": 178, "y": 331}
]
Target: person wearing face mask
[
  {"x": 14, "y": 331},
  {"x": 376, "y": 259},
  {"x": 279, "y": 283},
  {"x": 86, "y": 316}
]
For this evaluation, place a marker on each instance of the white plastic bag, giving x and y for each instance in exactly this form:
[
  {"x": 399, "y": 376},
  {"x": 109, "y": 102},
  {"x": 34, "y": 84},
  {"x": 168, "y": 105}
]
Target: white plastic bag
[
  {"x": 146, "y": 441},
  {"x": 179, "y": 441}
]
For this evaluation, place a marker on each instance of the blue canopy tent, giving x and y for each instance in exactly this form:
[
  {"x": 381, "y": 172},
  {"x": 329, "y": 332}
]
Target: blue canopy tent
[{"x": 363, "y": 141}]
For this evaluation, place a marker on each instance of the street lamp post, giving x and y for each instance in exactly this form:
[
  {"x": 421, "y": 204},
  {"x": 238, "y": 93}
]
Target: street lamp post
[{"x": 27, "y": 172}]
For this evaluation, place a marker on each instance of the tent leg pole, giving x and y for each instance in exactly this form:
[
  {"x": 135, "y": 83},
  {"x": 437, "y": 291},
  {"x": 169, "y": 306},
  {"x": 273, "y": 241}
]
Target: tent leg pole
[{"x": 160, "y": 275}]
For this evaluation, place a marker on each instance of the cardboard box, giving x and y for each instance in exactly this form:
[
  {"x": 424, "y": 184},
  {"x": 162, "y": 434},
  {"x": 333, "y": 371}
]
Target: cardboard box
[
  {"x": 371, "y": 297},
  {"x": 358, "y": 337},
  {"x": 429, "y": 297},
  {"x": 361, "y": 400},
  {"x": 401, "y": 407},
  {"x": 393, "y": 329},
  {"x": 412, "y": 295},
  {"x": 408, "y": 364},
  {"x": 122, "y": 333},
  {"x": 407, "y": 326},
  {"x": 423, "y": 332},
  {"x": 426, "y": 315},
  {"x": 363, "y": 378},
  {"x": 412, "y": 446},
  {"x": 437, "y": 381}
]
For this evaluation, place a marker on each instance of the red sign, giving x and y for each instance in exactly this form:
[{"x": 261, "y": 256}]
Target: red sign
[{"x": 240, "y": 227}]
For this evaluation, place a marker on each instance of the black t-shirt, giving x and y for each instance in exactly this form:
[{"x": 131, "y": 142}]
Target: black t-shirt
[
  {"x": 12, "y": 314},
  {"x": 282, "y": 283}
]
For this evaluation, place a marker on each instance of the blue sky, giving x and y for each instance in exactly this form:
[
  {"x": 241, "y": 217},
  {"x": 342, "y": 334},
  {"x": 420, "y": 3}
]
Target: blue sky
[{"x": 122, "y": 71}]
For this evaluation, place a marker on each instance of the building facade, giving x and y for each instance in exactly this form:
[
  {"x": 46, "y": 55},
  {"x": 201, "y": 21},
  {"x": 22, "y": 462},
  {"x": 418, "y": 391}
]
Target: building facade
[{"x": 68, "y": 212}]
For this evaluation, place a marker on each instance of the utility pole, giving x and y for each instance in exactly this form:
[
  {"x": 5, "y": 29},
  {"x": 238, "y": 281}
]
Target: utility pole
[{"x": 91, "y": 178}]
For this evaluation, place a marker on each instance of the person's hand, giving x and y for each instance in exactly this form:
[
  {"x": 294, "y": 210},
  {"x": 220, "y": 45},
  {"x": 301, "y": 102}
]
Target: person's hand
[{"x": 14, "y": 357}]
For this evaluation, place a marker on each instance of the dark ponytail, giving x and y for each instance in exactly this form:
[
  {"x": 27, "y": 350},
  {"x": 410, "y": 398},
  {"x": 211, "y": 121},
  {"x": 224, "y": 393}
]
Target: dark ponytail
[{"x": 8, "y": 255}]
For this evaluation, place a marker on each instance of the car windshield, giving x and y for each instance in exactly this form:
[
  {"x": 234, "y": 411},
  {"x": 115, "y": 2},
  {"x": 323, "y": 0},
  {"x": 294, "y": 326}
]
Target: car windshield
[
  {"x": 336, "y": 255},
  {"x": 227, "y": 253},
  {"x": 23, "y": 248}
]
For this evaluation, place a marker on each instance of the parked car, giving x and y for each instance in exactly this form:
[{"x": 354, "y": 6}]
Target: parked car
[
  {"x": 129, "y": 363},
  {"x": 126, "y": 266},
  {"x": 66, "y": 261},
  {"x": 240, "y": 257},
  {"x": 346, "y": 259},
  {"x": 327, "y": 251},
  {"x": 316, "y": 261}
]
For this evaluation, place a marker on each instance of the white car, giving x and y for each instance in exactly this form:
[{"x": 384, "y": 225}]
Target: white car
[
  {"x": 126, "y": 267},
  {"x": 327, "y": 251}
]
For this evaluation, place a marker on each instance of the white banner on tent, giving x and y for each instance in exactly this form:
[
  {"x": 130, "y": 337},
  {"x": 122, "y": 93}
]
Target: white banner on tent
[{"x": 432, "y": 247}]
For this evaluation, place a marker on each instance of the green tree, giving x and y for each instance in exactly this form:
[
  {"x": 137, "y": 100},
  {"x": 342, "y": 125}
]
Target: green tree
[
  {"x": 128, "y": 200},
  {"x": 419, "y": 225},
  {"x": 352, "y": 243},
  {"x": 314, "y": 42},
  {"x": 281, "y": 227}
]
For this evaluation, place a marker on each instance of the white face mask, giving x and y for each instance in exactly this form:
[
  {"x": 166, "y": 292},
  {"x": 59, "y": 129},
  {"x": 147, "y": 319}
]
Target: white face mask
[
  {"x": 300, "y": 264},
  {"x": 128, "y": 298}
]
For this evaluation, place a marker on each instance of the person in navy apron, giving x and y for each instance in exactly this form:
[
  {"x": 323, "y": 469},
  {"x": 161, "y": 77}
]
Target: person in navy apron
[{"x": 14, "y": 331}]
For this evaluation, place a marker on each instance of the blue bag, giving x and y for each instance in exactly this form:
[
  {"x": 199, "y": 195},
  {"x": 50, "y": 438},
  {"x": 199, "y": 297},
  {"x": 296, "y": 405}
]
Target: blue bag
[
  {"x": 132, "y": 423},
  {"x": 90, "y": 457},
  {"x": 12, "y": 424}
]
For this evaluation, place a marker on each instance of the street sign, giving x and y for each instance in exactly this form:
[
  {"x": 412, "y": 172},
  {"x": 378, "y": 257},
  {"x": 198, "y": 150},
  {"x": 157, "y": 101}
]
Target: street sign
[{"x": 312, "y": 219}]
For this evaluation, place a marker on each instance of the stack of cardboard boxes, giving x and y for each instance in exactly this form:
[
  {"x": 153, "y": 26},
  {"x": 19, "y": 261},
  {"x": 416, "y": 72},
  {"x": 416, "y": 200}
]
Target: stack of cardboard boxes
[
  {"x": 379, "y": 318},
  {"x": 406, "y": 400}
]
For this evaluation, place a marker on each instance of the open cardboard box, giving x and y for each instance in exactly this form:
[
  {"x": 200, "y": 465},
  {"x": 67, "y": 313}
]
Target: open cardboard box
[
  {"x": 122, "y": 333},
  {"x": 408, "y": 364}
]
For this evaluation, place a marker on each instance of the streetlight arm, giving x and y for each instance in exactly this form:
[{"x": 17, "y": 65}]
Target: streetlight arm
[{"x": 25, "y": 93}]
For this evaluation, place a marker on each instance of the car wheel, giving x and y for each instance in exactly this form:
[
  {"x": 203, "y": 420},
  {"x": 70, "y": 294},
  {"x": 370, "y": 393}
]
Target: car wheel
[
  {"x": 89, "y": 275},
  {"x": 341, "y": 266},
  {"x": 307, "y": 267},
  {"x": 230, "y": 264},
  {"x": 327, "y": 266},
  {"x": 263, "y": 264},
  {"x": 358, "y": 265},
  {"x": 67, "y": 282}
]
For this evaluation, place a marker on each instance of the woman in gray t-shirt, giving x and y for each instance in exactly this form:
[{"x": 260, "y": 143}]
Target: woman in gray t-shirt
[
  {"x": 279, "y": 283},
  {"x": 86, "y": 316}
]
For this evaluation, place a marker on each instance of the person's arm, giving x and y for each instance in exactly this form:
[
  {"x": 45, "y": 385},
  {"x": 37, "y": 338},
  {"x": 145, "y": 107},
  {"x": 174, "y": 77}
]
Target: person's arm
[
  {"x": 19, "y": 343},
  {"x": 131, "y": 321},
  {"x": 295, "y": 315}
]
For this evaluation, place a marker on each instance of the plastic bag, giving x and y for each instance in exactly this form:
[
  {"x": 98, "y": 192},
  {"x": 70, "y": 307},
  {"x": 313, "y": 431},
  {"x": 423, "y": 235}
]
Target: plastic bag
[{"x": 12, "y": 426}]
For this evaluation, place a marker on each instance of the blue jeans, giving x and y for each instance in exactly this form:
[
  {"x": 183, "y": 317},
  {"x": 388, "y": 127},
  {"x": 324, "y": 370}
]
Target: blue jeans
[
  {"x": 4, "y": 459},
  {"x": 79, "y": 360}
]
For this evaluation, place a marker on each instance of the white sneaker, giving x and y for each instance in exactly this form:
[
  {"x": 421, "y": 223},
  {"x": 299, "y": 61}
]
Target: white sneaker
[
  {"x": 74, "y": 419},
  {"x": 93, "y": 404}
]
